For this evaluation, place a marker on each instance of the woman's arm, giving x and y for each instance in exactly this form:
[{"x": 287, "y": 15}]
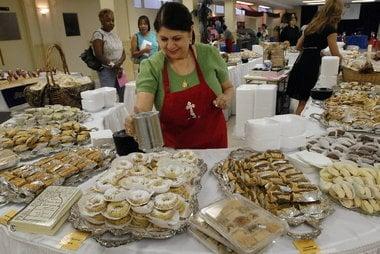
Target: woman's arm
[
  {"x": 134, "y": 50},
  {"x": 333, "y": 46},
  {"x": 97, "y": 45},
  {"x": 144, "y": 102},
  {"x": 224, "y": 99},
  {"x": 299, "y": 45},
  {"x": 120, "y": 62}
]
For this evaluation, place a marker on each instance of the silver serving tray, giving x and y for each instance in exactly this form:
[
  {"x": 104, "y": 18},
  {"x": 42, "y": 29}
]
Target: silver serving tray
[
  {"x": 313, "y": 221},
  {"x": 326, "y": 124},
  {"x": 9, "y": 195},
  {"x": 109, "y": 237}
]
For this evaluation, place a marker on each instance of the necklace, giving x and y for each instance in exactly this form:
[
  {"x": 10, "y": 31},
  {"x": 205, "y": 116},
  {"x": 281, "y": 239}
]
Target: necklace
[{"x": 184, "y": 83}]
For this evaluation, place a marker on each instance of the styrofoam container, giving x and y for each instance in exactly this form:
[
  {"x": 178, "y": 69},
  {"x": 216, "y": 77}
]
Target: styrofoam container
[
  {"x": 330, "y": 65},
  {"x": 93, "y": 95},
  {"x": 291, "y": 125},
  {"x": 263, "y": 128},
  {"x": 327, "y": 81},
  {"x": 291, "y": 143},
  {"x": 91, "y": 106},
  {"x": 110, "y": 100},
  {"x": 102, "y": 137},
  {"x": 262, "y": 145},
  {"x": 110, "y": 96}
]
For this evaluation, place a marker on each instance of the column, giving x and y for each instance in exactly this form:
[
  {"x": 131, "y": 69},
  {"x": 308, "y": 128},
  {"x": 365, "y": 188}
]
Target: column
[
  {"x": 193, "y": 5},
  {"x": 230, "y": 16}
]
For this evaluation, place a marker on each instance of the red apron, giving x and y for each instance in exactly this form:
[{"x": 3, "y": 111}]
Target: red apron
[{"x": 189, "y": 119}]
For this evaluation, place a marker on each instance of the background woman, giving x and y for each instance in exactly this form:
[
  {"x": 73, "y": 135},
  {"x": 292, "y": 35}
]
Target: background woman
[
  {"x": 291, "y": 32},
  {"x": 187, "y": 82},
  {"x": 108, "y": 49},
  {"x": 144, "y": 42},
  {"x": 320, "y": 33}
]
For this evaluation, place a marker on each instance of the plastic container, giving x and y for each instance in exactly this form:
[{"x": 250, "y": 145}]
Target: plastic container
[
  {"x": 327, "y": 81},
  {"x": 248, "y": 227},
  {"x": 291, "y": 143},
  {"x": 291, "y": 125},
  {"x": 197, "y": 223},
  {"x": 91, "y": 106}
]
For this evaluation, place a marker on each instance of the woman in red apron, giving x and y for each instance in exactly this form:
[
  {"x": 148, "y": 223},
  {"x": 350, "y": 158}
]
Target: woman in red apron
[{"x": 191, "y": 117}]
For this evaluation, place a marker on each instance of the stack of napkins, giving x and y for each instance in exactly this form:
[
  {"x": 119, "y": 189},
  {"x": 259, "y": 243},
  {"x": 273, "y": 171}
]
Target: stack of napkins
[
  {"x": 48, "y": 211},
  {"x": 235, "y": 224}
]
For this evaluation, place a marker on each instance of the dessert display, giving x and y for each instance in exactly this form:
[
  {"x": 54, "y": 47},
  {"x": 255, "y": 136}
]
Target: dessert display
[
  {"x": 247, "y": 227},
  {"x": 352, "y": 186},
  {"x": 356, "y": 86},
  {"x": 22, "y": 184},
  {"x": 352, "y": 110},
  {"x": 338, "y": 144},
  {"x": 63, "y": 80},
  {"x": 18, "y": 74},
  {"x": 141, "y": 196},
  {"x": 48, "y": 115},
  {"x": 37, "y": 141},
  {"x": 269, "y": 180}
]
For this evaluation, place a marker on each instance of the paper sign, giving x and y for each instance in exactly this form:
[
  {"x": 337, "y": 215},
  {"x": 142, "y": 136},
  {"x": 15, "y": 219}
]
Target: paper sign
[
  {"x": 73, "y": 240},
  {"x": 306, "y": 246},
  {"x": 5, "y": 218}
]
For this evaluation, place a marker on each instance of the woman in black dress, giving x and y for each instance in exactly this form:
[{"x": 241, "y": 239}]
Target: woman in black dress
[{"x": 320, "y": 33}]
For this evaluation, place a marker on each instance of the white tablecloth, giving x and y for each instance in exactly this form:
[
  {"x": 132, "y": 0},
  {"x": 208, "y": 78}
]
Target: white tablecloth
[{"x": 344, "y": 231}]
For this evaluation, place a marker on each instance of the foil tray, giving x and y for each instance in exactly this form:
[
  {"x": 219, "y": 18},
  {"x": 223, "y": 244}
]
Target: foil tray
[{"x": 108, "y": 237}]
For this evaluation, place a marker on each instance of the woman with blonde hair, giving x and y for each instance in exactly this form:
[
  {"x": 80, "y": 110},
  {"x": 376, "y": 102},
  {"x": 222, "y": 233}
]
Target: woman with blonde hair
[{"x": 320, "y": 33}]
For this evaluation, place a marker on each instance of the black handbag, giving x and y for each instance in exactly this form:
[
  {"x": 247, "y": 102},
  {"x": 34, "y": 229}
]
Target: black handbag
[{"x": 90, "y": 59}]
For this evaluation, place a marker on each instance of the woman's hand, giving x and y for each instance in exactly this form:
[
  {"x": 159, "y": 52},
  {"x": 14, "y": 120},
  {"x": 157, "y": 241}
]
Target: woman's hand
[
  {"x": 222, "y": 101},
  {"x": 147, "y": 49}
]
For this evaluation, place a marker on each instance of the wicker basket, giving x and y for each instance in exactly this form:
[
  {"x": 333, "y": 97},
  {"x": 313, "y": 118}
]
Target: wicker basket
[
  {"x": 352, "y": 75},
  {"x": 52, "y": 93}
]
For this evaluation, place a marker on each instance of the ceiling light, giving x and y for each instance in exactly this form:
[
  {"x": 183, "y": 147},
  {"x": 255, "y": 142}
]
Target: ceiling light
[
  {"x": 362, "y": 1},
  {"x": 264, "y": 7},
  {"x": 312, "y": 1},
  {"x": 244, "y": 3},
  {"x": 44, "y": 10}
]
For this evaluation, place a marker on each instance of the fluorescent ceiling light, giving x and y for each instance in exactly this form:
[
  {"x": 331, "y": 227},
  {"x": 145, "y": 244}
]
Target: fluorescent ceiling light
[
  {"x": 362, "y": 1},
  {"x": 312, "y": 1},
  {"x": 264, "y": 7},
  {"x": 245, "y": 3}
]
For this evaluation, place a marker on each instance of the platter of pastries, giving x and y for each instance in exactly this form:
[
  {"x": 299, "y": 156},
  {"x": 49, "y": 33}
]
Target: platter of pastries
[
  {"x": 48, "y": 115},
  {"x": 141, "y": 196},
  {"x": 342, "y": 145},
  {"x": 271, "y": 181},
  {"x": 354, "y": 187},
  {"x": 33, "y": 142},
  {"x": 23, "y": 183},
  {"x": 352, "y": 110}
]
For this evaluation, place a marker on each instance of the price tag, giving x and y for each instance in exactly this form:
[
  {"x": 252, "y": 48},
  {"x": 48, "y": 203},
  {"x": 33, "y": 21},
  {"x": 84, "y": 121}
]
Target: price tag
[
  {"x": 73, "y": 240},
  {"x": 306, "y": 246},
  {"x": 5, "y": 218}
]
